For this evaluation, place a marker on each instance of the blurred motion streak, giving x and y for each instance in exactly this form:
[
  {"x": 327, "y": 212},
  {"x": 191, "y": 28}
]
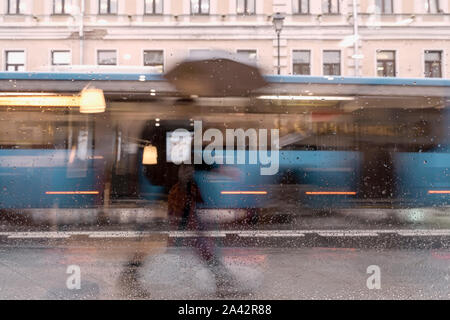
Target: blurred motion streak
[
  {"x": 40, "y": 101},
  {"x": 318, "y": 193},
  {"x": 71, "y": 192},
  {"x": 243, "y": 192},
  {"x": 90, "y": 100},
  {"x": 439, "y": 192}
]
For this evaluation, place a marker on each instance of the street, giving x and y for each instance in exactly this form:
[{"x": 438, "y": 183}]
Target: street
[{"x": 41, "y": 270}]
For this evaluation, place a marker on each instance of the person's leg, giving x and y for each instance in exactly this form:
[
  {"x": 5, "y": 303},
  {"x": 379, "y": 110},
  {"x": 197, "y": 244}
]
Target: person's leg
[
  {"x": 129, "y": 278},
  {"x": 207, "y": 250}
]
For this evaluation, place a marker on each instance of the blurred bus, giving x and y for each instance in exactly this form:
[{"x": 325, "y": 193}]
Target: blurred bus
[{"x": 343, "y": 143}]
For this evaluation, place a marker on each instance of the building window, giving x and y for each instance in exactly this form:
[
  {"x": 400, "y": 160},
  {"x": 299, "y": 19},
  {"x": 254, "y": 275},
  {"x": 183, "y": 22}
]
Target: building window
[
  {"x": 107, "y": 57},
  {"x": 245, "y": 7},
  {"x": 300, "y": 6},
  {"x": 14, "y": 7},
  {"x": 15, "y": 60},
  {"x": 331, "y": 63},
  {"x": 199, "y": 6},
  {"x": 153, "y": 7},
  {"x": 384, "y": 6},
  {"x": 199, "y": 53},
  {"x": 433, "y": 6},
  {"x": 107, "y": 6},
  {"x": 61, "y": 6},
  {"x": 61, "y": 58},
  {"x": 386, "y": 63},
  {"x": 433, "y": 64},
  {"x": 301, "y": 62},
  {"x": 154, "y": 58},
  {"x": 249, "y": 55},
  {"x": 330, "y": 6}
]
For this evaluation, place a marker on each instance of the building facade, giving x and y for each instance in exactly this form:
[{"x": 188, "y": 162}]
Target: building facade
[{"x": 401, "y": 38}]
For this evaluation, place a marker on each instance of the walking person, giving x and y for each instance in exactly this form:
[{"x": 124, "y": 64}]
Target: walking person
[{"x": 183, "y": 199}]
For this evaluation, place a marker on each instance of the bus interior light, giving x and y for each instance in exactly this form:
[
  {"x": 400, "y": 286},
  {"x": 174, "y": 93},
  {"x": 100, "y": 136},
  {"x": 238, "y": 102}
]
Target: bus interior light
[
  {"x": 38, "y": 100},
  {"x": 92, "y": 100},
  {"x": 150, "y": 156}
]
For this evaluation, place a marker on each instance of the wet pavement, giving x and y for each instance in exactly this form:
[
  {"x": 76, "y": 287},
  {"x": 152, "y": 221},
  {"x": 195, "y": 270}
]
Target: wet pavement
[
  {"x": 310, "y": 255},
  {"x": 41, "y": 272}
]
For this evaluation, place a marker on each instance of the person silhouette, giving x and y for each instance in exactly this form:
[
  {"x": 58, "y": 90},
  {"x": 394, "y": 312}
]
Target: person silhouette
[{"x": 184, "y": 197}]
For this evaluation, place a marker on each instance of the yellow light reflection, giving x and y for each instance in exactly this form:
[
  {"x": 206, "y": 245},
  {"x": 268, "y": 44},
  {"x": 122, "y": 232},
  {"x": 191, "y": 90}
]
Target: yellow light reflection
[
  {"x": 40, "y": 101},
  {"x": 150, "y": 156},
  {"x": 90, "y": 100}
]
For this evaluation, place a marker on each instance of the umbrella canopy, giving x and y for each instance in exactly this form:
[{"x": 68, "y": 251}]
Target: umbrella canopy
[{"x": 217, "y": 75}]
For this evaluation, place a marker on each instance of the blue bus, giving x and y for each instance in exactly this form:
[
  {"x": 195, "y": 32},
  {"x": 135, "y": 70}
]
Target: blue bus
[{"x": 343, "y": 143}]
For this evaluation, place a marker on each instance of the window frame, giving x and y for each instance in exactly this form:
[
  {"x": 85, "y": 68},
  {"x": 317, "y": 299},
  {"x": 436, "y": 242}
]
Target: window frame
[
  {"x": 154, "y": 50},
  {"x": 441, "y": 64},
  {"x": 385, "y": 61},
  {"x": 338, "y": 64},
  {"x": 300, "y": 7},
  {"x": 438, "y": 7},
  {"x": 246, "y": 13},
  {"x": 63, "y": 8},
  {"x": 303, "y": 64},
  {"x": 153, "y": 13},
  {"x": 108, "y": 8},
  {"x": 6, "y": 64},
  {"x": 330, "y": 6},
  {"x": 8, "y": 9},
  {"x": 107, "y": 50},
  {"x": 200, "y": 13},
  {"x": 382, "y": 9},
  {"x": 52, "y": 51},
  {"x": 242, "y": 50}
]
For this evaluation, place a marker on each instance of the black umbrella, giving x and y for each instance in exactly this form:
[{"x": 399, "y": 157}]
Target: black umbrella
[{"x": 219, "y": 75}]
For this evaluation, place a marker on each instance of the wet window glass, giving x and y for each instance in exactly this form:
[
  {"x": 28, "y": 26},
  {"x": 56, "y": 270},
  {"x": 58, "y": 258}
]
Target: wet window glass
[{"x": 224, "y": 150}]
